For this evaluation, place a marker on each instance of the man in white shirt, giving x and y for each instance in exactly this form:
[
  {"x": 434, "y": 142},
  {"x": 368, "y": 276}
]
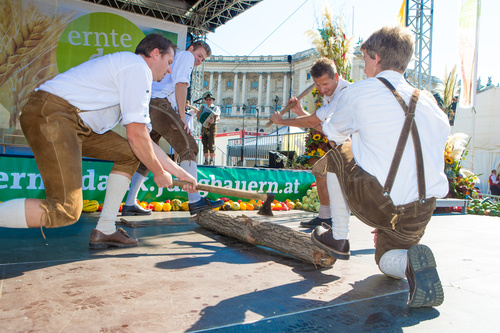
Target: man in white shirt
[
  {"x": 329, "y": 84},
  {"x": 397, "y": 199},
  {"x": 71, "y": 116},
  {"x": 168, "y": 118}
]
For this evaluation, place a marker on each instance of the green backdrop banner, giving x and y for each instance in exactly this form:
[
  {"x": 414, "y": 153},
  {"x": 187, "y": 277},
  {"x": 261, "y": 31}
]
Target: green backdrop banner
[{"x": 19, "y": 178}]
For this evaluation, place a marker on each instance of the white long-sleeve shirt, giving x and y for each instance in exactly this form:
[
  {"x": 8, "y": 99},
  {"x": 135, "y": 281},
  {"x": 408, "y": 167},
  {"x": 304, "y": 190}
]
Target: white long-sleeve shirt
[
  {"x": 370, "y": 113},
  {"x": 182, "y": 67},
  {"x": 111, "y": 89}
]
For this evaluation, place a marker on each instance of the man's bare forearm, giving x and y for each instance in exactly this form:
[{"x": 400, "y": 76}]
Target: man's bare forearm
[{"x": 142, "y": 146}]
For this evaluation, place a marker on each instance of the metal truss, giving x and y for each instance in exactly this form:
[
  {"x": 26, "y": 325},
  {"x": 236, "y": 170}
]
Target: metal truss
[
  {"x": 419, "y": 19},
  {"x": 200, "y": 16}
]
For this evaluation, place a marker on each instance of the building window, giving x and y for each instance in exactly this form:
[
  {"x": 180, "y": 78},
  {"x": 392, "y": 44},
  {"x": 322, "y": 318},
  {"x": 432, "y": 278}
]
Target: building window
[
  {"x": 308, "y": 76},
  {"x": 205, "y": 83},
  {"x": 253, "y": 109},
  {"x": 278, "y": 108},
  {"x": 229, "y": 84},
  {"x": 255, "y": 84},
  {"x": 227, "y": 109}
]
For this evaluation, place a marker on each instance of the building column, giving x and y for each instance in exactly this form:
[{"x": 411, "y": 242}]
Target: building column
[
  {"x": 211, "y": 83},
  {"x": 268, "y": 95},
  {"x": 219, "y": 83},
  {"x": 259, "y": 93},
  {"x": 235, "y": 94},
  {"x": 285, "y": 90},
  {"x": 244, "y": 89}
]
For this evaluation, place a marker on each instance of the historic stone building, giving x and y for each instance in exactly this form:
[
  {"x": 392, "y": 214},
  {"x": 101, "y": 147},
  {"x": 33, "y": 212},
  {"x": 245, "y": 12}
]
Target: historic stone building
[{"x": 250, "y": 88}]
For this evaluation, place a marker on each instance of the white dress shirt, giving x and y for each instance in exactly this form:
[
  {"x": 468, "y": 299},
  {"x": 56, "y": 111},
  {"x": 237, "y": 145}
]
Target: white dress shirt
[
  {"x": 111, "y": 89},
  {"x": 181, "y": 73},
  {"x": 369, "y": 113}
]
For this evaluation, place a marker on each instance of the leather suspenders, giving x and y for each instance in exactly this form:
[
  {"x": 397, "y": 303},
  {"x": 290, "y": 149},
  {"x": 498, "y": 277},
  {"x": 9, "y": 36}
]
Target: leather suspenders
[{"x": 409, "y": 124}]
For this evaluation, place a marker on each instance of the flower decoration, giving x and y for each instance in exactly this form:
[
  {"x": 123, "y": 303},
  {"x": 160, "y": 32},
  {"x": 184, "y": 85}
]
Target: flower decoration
[{"x": 461, "y": 181}]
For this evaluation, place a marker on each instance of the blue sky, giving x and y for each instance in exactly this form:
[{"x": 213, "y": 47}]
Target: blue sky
[{"x": 246, "y": 34}]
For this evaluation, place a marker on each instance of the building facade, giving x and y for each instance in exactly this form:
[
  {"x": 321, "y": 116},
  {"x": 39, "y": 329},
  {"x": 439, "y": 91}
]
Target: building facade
[{"x": 248, "y": 89}]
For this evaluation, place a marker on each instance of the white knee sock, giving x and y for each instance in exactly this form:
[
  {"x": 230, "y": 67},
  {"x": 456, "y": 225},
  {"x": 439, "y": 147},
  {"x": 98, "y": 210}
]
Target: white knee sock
[
  {"x": 338, "y": 205},
  {"x": 135, "y": 187},
  {"x": 192, "y": 168},
  {"x": 115, "y": 190},
  {"x": 324, "y": 212},
  {"x": 13, "y": 214},
  {"x": 393, "y": 263}
]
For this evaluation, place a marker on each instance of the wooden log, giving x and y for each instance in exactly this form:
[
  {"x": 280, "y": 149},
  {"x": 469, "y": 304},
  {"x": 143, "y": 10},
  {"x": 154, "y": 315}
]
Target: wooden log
[{"x": 271, "y": 235}]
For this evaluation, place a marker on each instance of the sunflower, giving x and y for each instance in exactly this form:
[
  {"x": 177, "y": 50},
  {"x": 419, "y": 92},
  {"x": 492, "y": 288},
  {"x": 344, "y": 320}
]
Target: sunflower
[
  {"x": 316, "y": 137},
  {"x": 448, "y": 160},
  {"x": 325, "y": 139}
]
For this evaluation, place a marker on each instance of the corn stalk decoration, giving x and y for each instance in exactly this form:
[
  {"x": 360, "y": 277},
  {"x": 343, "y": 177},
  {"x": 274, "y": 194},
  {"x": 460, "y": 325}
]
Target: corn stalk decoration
[
  {"x": 448, "y": 91},
  {"x": 330, "y": 41}
]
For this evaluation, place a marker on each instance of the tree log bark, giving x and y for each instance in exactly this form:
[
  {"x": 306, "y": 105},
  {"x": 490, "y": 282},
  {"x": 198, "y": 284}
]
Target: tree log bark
[{"x": 274, "y": 236}]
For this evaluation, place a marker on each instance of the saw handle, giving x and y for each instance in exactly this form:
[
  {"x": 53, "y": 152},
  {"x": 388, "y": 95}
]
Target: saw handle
[{"x": 224, "y": 191}]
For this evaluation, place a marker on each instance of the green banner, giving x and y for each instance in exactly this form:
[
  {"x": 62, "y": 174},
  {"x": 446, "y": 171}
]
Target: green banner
[{"x": 19, "y": 178}]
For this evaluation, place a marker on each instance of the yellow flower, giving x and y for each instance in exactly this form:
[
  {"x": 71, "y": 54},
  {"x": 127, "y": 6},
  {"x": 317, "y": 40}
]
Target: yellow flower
[
  {"x": 316, "y": 137},
  {"x": 448, "y": 160},
  {"x": 325, "y": 139}
]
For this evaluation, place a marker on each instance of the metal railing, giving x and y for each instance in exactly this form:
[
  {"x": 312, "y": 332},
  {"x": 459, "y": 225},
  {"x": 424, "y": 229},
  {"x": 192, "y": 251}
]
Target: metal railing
[
  {"x": 255, "y": 151},
  {"x": 13, "y": 143}
]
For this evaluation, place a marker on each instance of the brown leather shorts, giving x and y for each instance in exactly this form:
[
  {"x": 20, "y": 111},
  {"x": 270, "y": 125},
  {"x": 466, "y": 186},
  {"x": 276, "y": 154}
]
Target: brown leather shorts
[
  {"x": 208, "y": 138},
  {"x": 399, "y": 227},
  {"x": 168, "y": 125},
  {"x": 59, "y": 138}
]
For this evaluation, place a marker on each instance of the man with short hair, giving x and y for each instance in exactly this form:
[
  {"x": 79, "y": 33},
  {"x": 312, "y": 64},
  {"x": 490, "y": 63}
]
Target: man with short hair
[
  {"x": 167, "y": 111},
  {"x": 381, "y": 174},
  {"x": 330, "y": 85},
  {"x": 71, "y": 116}
]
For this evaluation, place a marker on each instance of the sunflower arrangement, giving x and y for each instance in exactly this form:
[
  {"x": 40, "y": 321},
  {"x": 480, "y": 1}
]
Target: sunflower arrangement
[
  {"x": 462, "y": 181},
  {"x": 317, "y": 145}
]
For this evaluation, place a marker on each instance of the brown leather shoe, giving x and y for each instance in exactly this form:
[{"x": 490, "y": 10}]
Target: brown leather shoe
[
  {"x": 322, "y": 236},
  {"x": 119, "y": 238}
]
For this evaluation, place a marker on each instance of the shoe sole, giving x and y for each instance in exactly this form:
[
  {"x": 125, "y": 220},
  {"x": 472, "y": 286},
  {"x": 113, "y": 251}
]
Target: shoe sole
[
  {"x": 194, "y": 212},
  {"x": 135, "y": 214},
  {"x": 330, "y": 251},
  {"x": 428, "y": 291},
  {"x": 99, "y": 246}
]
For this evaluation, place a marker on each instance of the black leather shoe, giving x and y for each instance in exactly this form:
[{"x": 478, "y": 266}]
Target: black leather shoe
[
  {"x": 204, "y": 204},
  {"x": 134, "y": 210},
  {"x": 425, "y": 289},
  {"x": 315, "y": 222},
  {"x": 322, "y": 236}
]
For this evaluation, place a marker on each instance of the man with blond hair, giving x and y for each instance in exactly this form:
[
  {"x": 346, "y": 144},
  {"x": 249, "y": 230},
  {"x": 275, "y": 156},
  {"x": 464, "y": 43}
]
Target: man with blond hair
[{"x": 381, "y": 173}]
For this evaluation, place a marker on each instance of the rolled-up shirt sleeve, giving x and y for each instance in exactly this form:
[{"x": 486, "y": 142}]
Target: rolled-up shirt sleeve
[
  {"x": 183, "y": 68},
  {"x": 340, "y": 123},
  {"x": 135, "y": 94}
]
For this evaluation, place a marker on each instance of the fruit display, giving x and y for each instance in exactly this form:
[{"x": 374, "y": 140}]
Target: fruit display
[
  {"x": 310, "y": 201},
  {"x": 90, "y": 206},
  {"x": 177, "y": 205},
  {"x": 484, "y": 207}
]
